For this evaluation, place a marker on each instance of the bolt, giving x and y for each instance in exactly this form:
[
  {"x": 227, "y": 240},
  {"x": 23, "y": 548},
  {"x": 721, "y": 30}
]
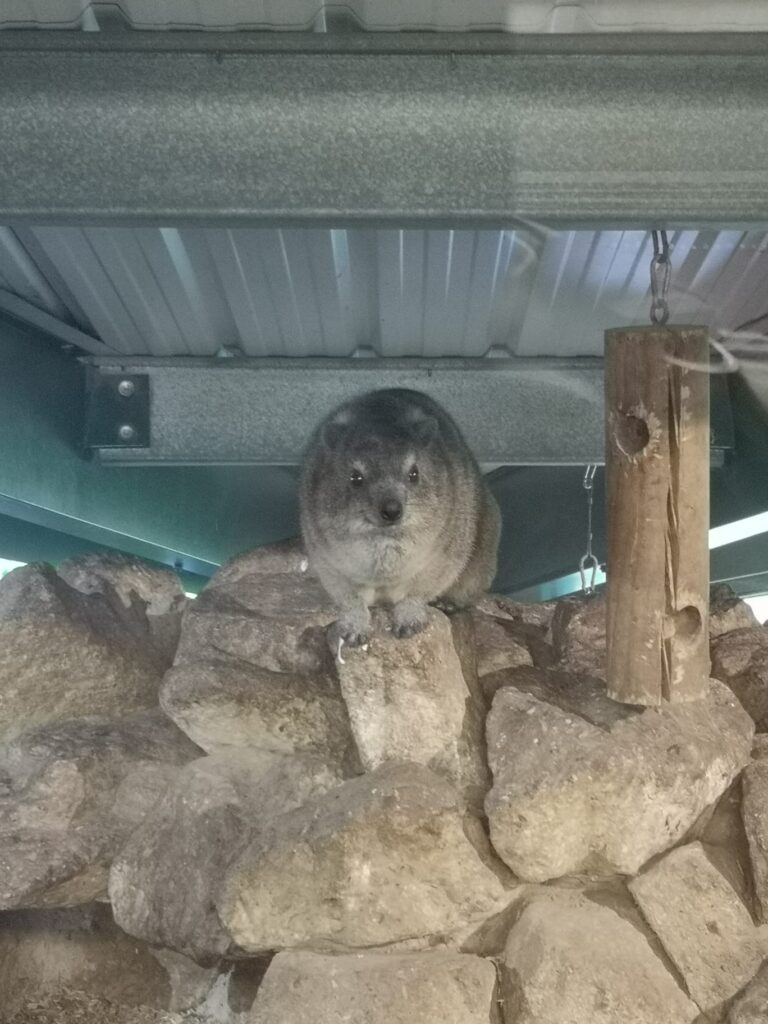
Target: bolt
[
  {"x": 126, "y": 388},
  {"x": 126, "y": 432}
]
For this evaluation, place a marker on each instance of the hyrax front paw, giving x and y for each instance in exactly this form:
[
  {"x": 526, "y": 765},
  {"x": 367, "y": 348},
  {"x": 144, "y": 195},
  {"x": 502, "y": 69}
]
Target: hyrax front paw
[
  {"x": 351, "y": 630},
  {"x": 409, "y": 618}
]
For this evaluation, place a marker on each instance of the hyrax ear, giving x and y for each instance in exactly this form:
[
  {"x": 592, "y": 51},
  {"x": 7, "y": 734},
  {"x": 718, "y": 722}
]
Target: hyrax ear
[
  {"x": 333, "y": 431},
  {"x": 425, "y": 430}
]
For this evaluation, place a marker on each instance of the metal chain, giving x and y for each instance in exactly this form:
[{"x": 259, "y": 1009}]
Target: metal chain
[
  {"x": 661, "y": 272},
  {"x": 589, "y": 563}
]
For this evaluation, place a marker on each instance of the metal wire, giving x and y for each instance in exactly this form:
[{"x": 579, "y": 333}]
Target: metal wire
[
  {"x": 661, "y": 273},
  {"x": 588, "y": 565}
]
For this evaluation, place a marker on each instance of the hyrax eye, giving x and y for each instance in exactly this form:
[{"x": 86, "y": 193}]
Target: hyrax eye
[
  {"x": 413, "y": 474},
  {"x": 356, "y": 478}
]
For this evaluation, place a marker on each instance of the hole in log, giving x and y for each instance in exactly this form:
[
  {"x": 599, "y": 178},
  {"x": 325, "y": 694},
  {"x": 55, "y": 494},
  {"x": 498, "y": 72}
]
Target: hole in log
[
  {"x": 686, "y": 622},
  {"x": 632, "y": 434}
]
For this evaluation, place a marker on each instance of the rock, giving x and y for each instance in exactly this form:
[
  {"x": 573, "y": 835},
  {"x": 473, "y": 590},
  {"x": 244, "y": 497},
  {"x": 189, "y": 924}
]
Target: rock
[
  {"x": 229, "y": 704},
  {"x": 58, "y": 783},
  {"x": 64, "y": 654},
  {"x": 527, "y": 624},
  {"x": 43, "y": 952},
  {"x": 579, "y": 635},
  {"x": 740, "y": 660},
  {"x": 379, "y": 860},
  {"x": 263, "y": 610},
  {"x": 582, "y": 784},
  {"x": 408, "y": 700},
  {"x": 728, "y": 612},
  {"x": 152, "y": 592},
  {"x": 539, "y": 615},
  {"x": 429, "y": 988},
  {"x": 73, "y": 1006},
  {"x": 704, "y": 927},
  {"x": 754, "y": 810},
  {"x": 500, "y": 644},
  {"x": 164, "y": 883},
  {"x": 751, "y": 1006},
  {"x": 721, "y": 832},
  {"x": 568, "y": 959}
]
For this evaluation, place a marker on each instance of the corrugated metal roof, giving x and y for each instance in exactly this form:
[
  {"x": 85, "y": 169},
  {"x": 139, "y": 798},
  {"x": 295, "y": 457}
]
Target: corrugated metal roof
[
  {"x": 394, "y": 15},
  {"x": 314, "y": 292}
]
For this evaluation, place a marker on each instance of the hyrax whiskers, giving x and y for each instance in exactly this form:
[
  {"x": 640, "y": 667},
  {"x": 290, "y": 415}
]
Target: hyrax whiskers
[{"x": 395, "y": 512}]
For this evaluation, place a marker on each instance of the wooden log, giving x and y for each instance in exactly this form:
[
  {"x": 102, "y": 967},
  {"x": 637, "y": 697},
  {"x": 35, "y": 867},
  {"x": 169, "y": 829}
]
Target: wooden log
[{"x": 657, "y": 491}]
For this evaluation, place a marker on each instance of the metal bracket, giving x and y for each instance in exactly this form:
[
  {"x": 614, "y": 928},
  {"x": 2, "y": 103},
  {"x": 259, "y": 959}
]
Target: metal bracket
[{"x": 118, "y": 410}]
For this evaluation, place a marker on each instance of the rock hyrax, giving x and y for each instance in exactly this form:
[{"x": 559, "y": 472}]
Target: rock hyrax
[{"x": 395, "y": 512}]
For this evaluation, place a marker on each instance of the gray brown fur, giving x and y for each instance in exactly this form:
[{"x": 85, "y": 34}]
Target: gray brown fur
[{"x": 441, "y": 549}]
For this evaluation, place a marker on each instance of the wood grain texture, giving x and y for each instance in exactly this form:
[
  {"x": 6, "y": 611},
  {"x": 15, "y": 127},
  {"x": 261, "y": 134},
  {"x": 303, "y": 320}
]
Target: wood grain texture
[{"x": 657, "y": 488}]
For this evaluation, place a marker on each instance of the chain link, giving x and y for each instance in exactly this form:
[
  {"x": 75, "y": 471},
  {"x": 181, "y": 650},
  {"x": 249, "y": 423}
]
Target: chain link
[
  {"x": 661, "y": 273},
  {"x": 588, "y": 565}
]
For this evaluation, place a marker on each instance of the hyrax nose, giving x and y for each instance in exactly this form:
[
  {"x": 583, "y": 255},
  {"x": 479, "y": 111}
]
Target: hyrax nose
[{"x": 390, "y": 511}]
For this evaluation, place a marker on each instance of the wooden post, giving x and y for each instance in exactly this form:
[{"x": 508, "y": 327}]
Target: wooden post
[{"x": 657, "y": 488}]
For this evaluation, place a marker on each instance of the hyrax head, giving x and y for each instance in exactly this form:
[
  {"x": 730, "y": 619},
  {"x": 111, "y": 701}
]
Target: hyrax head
[{"x": 383, "y": 465}]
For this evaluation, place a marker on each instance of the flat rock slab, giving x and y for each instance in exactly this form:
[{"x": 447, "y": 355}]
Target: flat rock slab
[
  {"x": 754, "y": 811},
  {"x": 569, "y": 959},
  {"x": 408, "y": 700},
  {"x": 164, "y": 883},
  {"x": 229, "y": 704},
  {"x": 264, "y": 608},
  {"x": 429, "y": 988},
  {"x": 500, "y": 643},
  {"x": 582, "y": 784},
  {"x": 740, "y": 660},
  {"x": 65, "y": 652},
  {"x": 751, "y": 1005},
  {"x": 43, "y": 952},
  {"x": 379, "y": 860},
  {"x": 702, "y": 924},
  {"x": 58, "y": 787}
]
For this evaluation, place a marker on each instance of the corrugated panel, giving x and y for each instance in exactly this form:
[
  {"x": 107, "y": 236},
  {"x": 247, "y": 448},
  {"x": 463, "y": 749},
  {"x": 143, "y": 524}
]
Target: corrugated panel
[
  {"x": 314, "y": 292},
  {"x": 394, "y": 15},
  {"x": 291, "y": 292}
]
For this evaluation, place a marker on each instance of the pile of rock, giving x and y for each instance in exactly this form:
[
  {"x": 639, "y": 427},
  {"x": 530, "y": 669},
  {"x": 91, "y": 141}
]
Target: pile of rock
[{"x": 204, "y": 810}]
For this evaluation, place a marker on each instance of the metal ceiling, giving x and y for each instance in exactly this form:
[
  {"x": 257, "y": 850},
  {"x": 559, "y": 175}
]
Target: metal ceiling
[
  {"x": 393, "y": 15},
  {"x": 316, "y": 292}
]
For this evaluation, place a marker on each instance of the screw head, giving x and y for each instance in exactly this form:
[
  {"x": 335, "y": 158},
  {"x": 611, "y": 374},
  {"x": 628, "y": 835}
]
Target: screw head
[
  {"x": 126, "y": 388},
  {"x": 126, "y": 432}
]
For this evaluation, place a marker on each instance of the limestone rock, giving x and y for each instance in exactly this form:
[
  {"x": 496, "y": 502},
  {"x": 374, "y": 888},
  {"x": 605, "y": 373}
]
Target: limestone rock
[
  {"x": 500, "y": 644},
  {"x": 728, "y": 612},
  {"x": 381, "y": 859},
  {"x": 754, "y": 809},
  {"x": 569, "y": 959},
  {"x": 164, "y": 883},
  {"x": 408, "y": 700},
  {"x": 751, "y": 1006},
  {"x": 429, "y": 988},
  {"x": 64, "y": 653},
  {"x": 229, "y": 703},
  {"x": 583, "y": 784},
  {"x": 704, "y": 927},
  {"x": 152, "y": 593},
  {"x": 43, "y": 952},
  {"x": 579, "y": 634},
  {"x": 527, "y": 624},
  {"x": 265, "y": 610},
  {"x": 740, "y": 659},
  {"x": 58, "y": 785}
]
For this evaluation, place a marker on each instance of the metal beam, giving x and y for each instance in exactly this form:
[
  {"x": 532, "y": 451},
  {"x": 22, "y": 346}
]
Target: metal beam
[
  {"x": 429, "y": 129},
  {"x": 261, "y": 412}
]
